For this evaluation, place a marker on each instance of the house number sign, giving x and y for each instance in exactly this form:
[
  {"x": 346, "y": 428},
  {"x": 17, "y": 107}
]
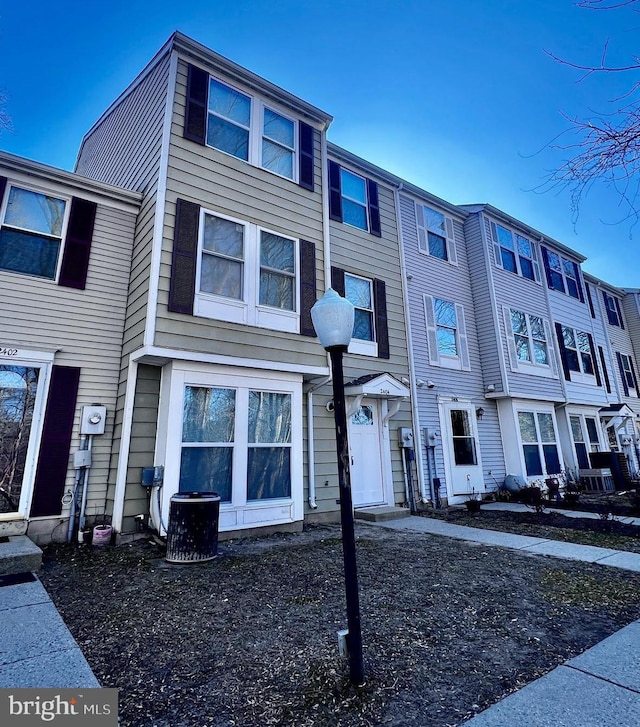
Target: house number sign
[{"x": 9, "y": 352}]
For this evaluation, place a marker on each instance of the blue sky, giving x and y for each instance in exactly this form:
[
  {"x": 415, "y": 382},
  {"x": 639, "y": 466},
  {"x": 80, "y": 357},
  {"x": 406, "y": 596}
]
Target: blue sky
[{"x": 457, "y": 96}]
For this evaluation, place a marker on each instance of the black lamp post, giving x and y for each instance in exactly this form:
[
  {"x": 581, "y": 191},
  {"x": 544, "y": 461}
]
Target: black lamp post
[{"x": 333, "y": 318}]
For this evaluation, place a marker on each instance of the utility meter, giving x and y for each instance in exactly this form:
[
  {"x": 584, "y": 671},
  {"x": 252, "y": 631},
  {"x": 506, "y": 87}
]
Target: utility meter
[{"x": 94, "y": 418}]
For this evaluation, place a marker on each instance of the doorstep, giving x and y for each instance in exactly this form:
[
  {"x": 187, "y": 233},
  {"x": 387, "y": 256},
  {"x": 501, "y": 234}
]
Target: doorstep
[
  {"x": 380, "y": 513},
  {"x": 19, "y": 554}
]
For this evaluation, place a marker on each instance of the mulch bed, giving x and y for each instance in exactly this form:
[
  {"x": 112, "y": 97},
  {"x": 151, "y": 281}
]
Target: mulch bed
[{"x": 250, "y": 638}]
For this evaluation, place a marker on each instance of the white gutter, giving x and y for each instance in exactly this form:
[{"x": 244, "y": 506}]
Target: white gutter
[
  {"x": 311, "y": 464},
  {"x": 161, "y": 203},
  {"x": 417, "y": 432}
]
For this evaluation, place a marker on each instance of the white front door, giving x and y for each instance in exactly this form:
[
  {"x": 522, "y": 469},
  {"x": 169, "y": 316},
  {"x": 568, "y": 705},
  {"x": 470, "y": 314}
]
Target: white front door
[
  {"x": 367, "y": 487},
  {"x": 461, "y": 451}
]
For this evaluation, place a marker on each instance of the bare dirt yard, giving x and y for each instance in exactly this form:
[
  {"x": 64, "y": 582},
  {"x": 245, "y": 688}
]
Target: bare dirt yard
[{"x": 249, "y": 639}]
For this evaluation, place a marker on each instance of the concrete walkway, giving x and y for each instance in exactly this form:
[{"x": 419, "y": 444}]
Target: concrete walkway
[
  {"x": 598, "y": 688},
  {"x": 36, "y": 647}
]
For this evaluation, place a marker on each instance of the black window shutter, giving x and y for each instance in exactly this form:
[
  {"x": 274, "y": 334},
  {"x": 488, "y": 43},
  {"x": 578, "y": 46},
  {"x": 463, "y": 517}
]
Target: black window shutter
[
  {"x": 53, "y": 459},
  {"x": 382, "y": 325},
  {"x": 374, "y": 208},
  {"x": 195, "y": 118},
  {"x": 337, "y": 280},
  {"x": 307, "y": 286},
  {"x": 77, "y": 244},
  {"x": 305, "y": 159},
  {"x": 563, "y": 352},
  {"x": 547, "y": 269},
  {"x": 633, "y": 374},
  {"x": 605, "y": 373},
  {"x": 3, "y": 186},
  {"x": 335, "y": 192},
  {"x": 182, "y": 286},
  {"x": 576, "y": 270},
  {"x": 623, "y": 376},
  {"x": 619, "y": 312},
  {"x": 590, "y": 300},
  {"x": 596, "y": 368}
]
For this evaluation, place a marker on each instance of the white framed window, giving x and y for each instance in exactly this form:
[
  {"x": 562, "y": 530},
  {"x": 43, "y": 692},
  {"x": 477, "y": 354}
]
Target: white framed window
[
  {"x": 446, "y": 333},
  {"x": 515, "y": 253},
  {"x": 626, "y": 369},
  {"x": 32, "y": 228},
  {"x": 238, "y": 433},
  {"x": 247, "y": 128},
  {"x": 562, "y": 274},
  {"x": 246, "y": 274},
  {"x": 586, "y": 438},
  {"x": 579, "y": 355},
  {"x": 359, "y": 292},
  {"x": 529, "y": 342},
  {"x": 435, "y": 234},
  {"x": 612, "y": 306},
  {"x": 539, "y": 442},
  {"x": 354, "y": 199}
]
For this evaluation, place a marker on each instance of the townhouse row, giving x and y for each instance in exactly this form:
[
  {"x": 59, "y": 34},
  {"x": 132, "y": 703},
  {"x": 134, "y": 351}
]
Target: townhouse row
[{"x": 157, "y": 315}]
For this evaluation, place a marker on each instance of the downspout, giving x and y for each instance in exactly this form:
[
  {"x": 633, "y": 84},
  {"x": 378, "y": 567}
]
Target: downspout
[
  {"x": 326, "y": 241},
  {"x": 417, "y": 433},
  {"x": 311, "y": 464}
]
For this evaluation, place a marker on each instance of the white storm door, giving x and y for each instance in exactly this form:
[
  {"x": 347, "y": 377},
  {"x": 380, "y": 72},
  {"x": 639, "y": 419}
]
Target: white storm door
[
  {"x": 367, "y": 486},
  {"x": 461, "y": 450}
]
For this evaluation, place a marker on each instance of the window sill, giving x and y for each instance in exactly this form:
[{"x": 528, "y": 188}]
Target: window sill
[
  {"x": 240, "y": 312},
  {"x": 364, "y": 348},
  {"x": 534, "y": 370}
]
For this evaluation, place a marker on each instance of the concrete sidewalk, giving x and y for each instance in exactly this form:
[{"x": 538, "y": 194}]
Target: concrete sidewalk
[
  {"x": 598, "y": 688},
  {"x": 36, "y": 647}
]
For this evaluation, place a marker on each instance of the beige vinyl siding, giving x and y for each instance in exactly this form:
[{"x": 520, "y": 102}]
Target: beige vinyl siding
[
  {"x": 232, "y": 187},
  {"x": 361, "y": 253},
  {"x": 84, "y": 327}
]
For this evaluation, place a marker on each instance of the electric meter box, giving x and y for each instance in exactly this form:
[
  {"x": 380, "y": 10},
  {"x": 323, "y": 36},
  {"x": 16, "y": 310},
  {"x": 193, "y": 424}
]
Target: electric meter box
[{"x": 93, "y": 419}]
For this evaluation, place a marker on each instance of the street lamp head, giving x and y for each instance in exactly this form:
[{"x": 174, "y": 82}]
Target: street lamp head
[{"x": 332, "y": 318}]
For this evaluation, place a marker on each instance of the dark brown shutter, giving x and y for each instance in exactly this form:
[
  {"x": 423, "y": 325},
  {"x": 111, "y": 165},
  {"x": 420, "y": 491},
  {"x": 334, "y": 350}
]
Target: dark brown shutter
[
  {"x": 305, "y": 158},
  {"x": 3, "y": 186},
  {"x": 596, "y": 368},
  {"x": 590, "y": 300},
  {"x": 195, "y": 118},
  {"x": 77, "y": 244},
  {"x": 563, "y": 353},
  {"x": 623, "y": 376},
  {"x": 335, "y": 192},
  {"x": 337, "y": 280},
  {"x": 307, "y": 286},
  {"x": 576, "y": 270},
  {"x": 605, "y": 373},
  {"x": 53, "y": 459},
  {"x": 182, "y": 286},
  {"x": 374, "y": 208},
  {"x": 382, "y": 326}
]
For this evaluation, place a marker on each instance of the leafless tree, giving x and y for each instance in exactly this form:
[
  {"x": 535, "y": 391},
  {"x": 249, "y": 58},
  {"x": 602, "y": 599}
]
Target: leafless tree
[
  {"x": 603, "y": 146},
  {"x": 6, "y": 123}
]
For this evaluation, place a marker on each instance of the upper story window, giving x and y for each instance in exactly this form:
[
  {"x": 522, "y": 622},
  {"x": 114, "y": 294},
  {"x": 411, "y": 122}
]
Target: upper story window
[
  {"x": 578, "y": 350},
  {"x": 359, "y": 292},
  {"x": 530, "y": 338},
  {"x": 32, "y": 232},
  {"x": 562, "y": 274},
  {"x": 614, "y": 312},
  {"x": 446, "y": 334},
  {"x": 514, "y": 253},
  {"x": 435, "y": 234},
  {"x": 529, "y": 343},
  {"x": 370, "y": 335},
  {"x": 246, "y": 274},
  {"x": 627, "y": 374},
  {"x": 246, "y": 127},
  {"x": 353, "y": 199}
]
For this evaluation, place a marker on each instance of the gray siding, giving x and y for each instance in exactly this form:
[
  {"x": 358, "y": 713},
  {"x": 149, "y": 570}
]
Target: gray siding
[
  {"x": 631, "y": 311},
  {"x": 441, "y": 279}
]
